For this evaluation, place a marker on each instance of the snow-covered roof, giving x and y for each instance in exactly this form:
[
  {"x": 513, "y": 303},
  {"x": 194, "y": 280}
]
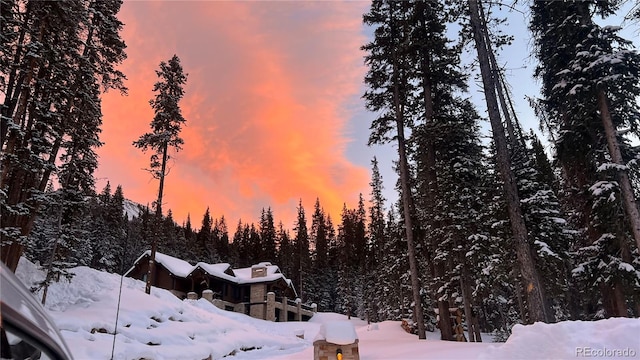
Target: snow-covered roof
[
  {"x": 182, "y": 268},
  {"x": 175, "y": 266},
  {"x": 218, "y": 270},
  {"x": 262, "y": 264},
  {"x": 244, "y": 274}
]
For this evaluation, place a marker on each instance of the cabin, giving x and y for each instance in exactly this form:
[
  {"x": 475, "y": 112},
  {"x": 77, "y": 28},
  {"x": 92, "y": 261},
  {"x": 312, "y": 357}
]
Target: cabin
[
  {"x": 261, "y": 291},
  {"x": 170, "y": 273}
]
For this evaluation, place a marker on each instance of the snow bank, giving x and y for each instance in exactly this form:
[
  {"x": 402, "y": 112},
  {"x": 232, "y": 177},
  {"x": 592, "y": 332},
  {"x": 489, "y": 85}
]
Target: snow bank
[
  {"x": 613, "y": 338},
  {"x": 160, "y": 326}
]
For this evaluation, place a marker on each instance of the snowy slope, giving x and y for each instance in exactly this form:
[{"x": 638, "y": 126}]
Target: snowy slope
[
  {"x": 161, "y": 326},
  {"x": 131, "y": 209}
]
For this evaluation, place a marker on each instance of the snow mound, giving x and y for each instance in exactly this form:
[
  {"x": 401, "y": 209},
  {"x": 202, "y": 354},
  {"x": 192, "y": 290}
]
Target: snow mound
[
  {"x": 337, "y": 332},
  {"x": 605, "y": 339}
]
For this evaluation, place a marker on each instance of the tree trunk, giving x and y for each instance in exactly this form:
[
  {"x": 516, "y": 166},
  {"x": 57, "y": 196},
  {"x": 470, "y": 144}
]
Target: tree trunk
[
  {"x": 406, "y": 191},
  {"x": 466, "y": 298},
  {"x": 628, "y": 198},
  {"x": 54, "y": 251},
  {"x": 158, "y": 220},
  {"x": 533, "y": 289},
  {"x": 408, "y": 223},
  {"x": 446, "y": 332},
  {"x": 500, "y": 84}
]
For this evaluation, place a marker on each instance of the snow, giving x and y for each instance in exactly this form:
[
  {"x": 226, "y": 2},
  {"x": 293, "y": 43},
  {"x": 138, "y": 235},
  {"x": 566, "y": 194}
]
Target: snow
[
  {"x": 182, "y": 268},
  {"x": 131, "y": 209},
  {"x": 602, "y": 187},
  {"x": 243, "y": 275},
  {"x": 174, "y": 265},
  {"x": 337, "y": 332},
  {"x": 610, "y": 166},
  {"x": 161, "y": 326},
  {"x": 570, "y": 340}
]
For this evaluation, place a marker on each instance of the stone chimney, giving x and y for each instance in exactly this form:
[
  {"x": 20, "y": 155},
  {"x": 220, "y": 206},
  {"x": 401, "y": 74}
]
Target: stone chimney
[{"x": 258, "y": 271}]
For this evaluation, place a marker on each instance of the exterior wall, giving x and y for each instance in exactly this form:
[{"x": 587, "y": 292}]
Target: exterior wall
[
  {"x": 257, "y": 300},
  {"x": 258, "y": 292},
  {"x": 323, "y": 350},
  {"x": 271, "y": 307},
  {"x": 162, "y": 278}
]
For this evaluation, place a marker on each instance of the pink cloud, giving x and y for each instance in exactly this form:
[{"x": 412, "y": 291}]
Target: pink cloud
[{"x": 265, "y": 106}]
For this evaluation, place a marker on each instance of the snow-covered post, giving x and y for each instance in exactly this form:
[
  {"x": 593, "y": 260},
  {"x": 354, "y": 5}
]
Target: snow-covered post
[
  {"x": 298, "y": 309},
  {"x": 336, "y": 339},
  {"x": 208, "y": 294}
]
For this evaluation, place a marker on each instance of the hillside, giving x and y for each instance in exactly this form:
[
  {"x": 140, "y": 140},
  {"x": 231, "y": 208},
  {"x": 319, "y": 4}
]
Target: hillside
[{"x": 131, "y": 209}]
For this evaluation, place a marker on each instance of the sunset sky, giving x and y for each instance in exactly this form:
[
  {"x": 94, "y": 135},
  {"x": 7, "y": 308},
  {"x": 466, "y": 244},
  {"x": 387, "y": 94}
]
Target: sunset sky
[{"x": 272, "y": 104}]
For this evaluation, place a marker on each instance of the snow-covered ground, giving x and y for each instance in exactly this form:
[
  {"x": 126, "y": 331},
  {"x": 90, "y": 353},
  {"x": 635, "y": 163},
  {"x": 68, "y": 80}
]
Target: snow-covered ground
[{"x": 161, "y": 326}]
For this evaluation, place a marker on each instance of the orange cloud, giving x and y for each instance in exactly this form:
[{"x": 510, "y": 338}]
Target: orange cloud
[{"x": 266, "y": 106}]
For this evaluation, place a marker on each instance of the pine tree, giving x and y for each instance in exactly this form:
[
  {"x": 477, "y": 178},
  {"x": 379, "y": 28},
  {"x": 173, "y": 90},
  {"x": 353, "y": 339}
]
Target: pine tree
[
  {"x": 166, "y": 126},
  {"x": 389, "y": 95},
  {"x": 222, "y": 239},
  {"x": 285, "y": 251},
  {"x": 50, "y": 116},
  {"x": 590, "y": 86},
  {"x": 319, "y": 245},
  {"x": 497, "y": 276},
  {"x": 116, "y": 216},
  {"x": 105, "y": 239},
  {"x": 267, "y": 236},
  {"x": 302, "y": 259},
  {"x": 376, "y": 240},
  {"x": 255, "y": 248},
  {"x": 203, "y": 238},
  {"x": 394, "y": 268},
  {"x": 459, "y": 163},
  {"x": 530, "y": 277}
]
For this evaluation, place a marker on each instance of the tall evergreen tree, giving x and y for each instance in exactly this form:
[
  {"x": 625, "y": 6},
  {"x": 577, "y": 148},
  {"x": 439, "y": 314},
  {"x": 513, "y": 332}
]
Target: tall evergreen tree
[
  {"x": 376, "y": 240},
  {"x": 530, "y": 277},
  {"x": 204, "y": 242},
  {"x": 267, "y": 236},
  {"x": 590, "y": 87},
  {"x": 319, "y": 247},
  {"x": 285, "y": 251},
  {"x": 166, "y": 126},
  {"x": 389, "y": 81},
  {"x": 255, "y": 249},
  {"x": 58, "y": 57},
  {"x": 222, "y": 239},
  {"x": 301, "y": 258}
]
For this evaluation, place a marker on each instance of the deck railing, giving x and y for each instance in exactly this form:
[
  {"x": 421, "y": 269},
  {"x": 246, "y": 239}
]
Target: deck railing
[{"x": 286, "y": 307}]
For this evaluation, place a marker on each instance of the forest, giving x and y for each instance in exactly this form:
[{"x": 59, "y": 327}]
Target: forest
[{"x": 505, "y": 230}]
